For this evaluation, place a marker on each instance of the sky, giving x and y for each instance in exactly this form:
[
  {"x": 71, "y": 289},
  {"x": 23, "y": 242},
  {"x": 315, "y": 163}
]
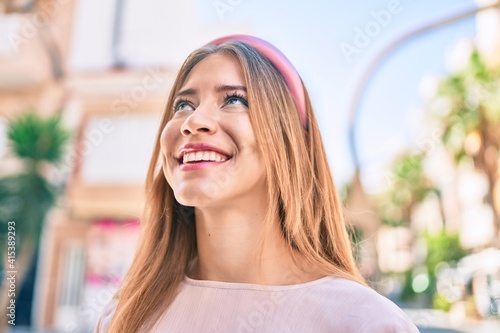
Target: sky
[
  {"x": 330, "y": 42},
  {"x": 316, "y": 36}
]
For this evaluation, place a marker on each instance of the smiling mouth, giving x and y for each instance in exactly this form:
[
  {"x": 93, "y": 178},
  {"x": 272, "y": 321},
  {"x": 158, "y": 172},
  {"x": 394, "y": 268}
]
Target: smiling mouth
[{"x": 192, "y": 157}]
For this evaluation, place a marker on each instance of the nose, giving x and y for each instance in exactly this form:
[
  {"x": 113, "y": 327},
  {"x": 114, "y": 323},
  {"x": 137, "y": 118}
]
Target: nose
[{"x": 202, "y": 120}]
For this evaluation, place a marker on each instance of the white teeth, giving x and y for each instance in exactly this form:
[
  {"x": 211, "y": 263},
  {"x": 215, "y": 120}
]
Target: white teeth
[{"x": 203, "y": 156}]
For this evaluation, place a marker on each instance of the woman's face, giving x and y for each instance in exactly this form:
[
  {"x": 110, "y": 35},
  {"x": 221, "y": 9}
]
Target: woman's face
[{"x": 209, "y": 152}]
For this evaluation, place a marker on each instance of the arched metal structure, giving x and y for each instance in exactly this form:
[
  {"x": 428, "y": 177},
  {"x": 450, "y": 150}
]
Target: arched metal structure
[{"x": 380, "y": 58}]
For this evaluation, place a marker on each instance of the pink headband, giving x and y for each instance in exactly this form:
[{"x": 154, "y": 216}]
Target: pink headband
[{"x": 283, "y": 65}]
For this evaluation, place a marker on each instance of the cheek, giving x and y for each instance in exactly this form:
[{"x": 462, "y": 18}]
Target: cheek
[
  {"x": 168, "y": 137},
  {"x": 251, "y": 153},
  {"x": 164, "y": 167},
  {"x": 241, "y": 131}
]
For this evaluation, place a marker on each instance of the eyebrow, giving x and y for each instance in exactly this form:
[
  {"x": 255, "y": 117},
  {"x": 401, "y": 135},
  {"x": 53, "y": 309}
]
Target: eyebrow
[
  {"x": 222, "y": 88},
  {"x": 219, "y": 88},
  {"x": 186, "y": 92}
]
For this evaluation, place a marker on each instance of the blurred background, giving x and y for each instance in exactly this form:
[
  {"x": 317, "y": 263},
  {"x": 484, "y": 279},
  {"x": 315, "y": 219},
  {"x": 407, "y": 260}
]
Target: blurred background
[{"x": 407, "y": 94}]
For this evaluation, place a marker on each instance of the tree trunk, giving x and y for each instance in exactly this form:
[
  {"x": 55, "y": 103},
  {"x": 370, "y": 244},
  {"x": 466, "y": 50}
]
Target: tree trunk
[
  {"x": 490, "y": 200},
  {"x": 441, "y": 209},
  {"x": 487, "y": 162}
]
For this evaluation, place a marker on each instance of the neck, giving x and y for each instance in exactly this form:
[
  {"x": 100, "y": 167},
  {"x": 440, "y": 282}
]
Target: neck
[{"x": 230, "y": 248}]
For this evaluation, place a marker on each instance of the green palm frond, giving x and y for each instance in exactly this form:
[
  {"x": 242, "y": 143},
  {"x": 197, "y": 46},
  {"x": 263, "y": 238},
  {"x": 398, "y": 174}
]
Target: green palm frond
[
  {"x": 474, "y": 95},
  {"x": 27, "y": 197},
  {"x": 409, "y": 186},
  {"x": 36, "y": 138},
  {"x": 478, "y": 69}
]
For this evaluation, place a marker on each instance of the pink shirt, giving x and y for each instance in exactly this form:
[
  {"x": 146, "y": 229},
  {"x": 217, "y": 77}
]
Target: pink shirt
[{"x": 325, "y": 305}]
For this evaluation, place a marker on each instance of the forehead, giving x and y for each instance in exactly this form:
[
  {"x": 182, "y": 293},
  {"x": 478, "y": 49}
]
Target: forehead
[{"x": 216, "y": 68}]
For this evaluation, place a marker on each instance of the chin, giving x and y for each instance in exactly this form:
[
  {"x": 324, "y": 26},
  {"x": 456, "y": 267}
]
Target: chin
[
  {"x": 193, "y": 197},
  {"x": 185, "y": 200}
]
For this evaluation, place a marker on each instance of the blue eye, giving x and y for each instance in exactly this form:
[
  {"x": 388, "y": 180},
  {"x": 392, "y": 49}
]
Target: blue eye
[
  {"x": 235, "y": 99},
  {"x": 182, "y": 105}
]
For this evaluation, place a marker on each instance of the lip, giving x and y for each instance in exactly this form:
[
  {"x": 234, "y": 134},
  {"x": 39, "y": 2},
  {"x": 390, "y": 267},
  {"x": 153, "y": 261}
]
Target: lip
[
  {"x": 193, "y": 147},
  {"x": 199, "y": 165}
]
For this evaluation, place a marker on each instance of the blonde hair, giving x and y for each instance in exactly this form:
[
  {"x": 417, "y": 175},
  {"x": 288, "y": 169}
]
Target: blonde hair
[{"x": 300, "y": 188}]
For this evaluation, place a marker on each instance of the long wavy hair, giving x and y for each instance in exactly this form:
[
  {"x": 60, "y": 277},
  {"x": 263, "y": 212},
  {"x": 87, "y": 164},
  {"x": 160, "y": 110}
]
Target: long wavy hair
[{"x": 301, "y": 192}]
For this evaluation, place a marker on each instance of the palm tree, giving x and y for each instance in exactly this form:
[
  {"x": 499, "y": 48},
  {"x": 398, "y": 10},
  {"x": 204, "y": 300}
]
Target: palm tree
[
  {"x": 471, "y": 122},
  {"x": 27, "y": 197},
  {"x": 408, "y": 187}
]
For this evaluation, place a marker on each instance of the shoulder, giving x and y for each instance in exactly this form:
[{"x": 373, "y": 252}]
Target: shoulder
[
  {"x": 361, "y": 309},
  {"x": 104, "y": 321}
]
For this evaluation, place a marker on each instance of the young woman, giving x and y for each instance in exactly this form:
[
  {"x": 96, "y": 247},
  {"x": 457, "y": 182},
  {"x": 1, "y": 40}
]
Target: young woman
[{"x": 244, "y": 229}]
